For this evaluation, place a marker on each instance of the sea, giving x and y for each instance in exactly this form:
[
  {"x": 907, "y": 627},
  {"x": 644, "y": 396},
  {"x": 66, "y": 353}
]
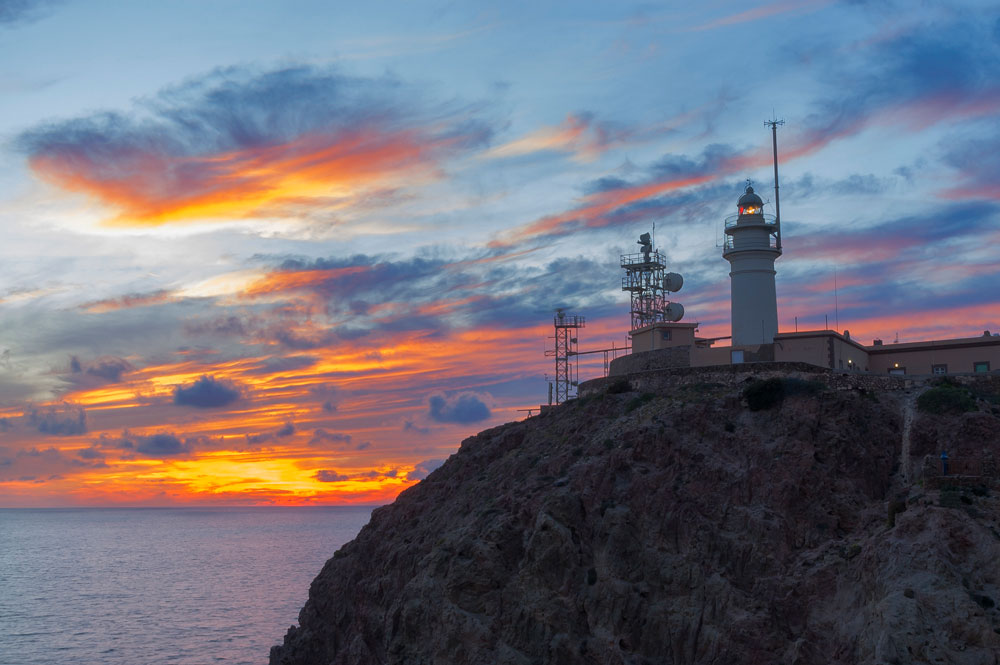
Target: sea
[{"x": 159, "y": 585}]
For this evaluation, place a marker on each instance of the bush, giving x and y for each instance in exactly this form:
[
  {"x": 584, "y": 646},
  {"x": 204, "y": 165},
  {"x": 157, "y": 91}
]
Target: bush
[
  {"x": 769, "y": 393},
  {"x": 946, "y": 398}
]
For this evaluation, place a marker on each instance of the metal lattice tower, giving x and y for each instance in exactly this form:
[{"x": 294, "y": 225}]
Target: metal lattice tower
[
  {"x": 644, "y": 273},
  {"x": 567, "y": 371}
]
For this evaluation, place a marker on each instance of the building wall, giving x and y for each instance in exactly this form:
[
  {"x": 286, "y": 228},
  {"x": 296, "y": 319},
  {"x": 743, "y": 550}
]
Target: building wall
[
  {"x": 957, "y": 355},
  {"x": 704, "y": 356},
  {"x": 662, "y": 336},
  {"x": 822, "y": 348},
  {"x": 825, "y": 348}
]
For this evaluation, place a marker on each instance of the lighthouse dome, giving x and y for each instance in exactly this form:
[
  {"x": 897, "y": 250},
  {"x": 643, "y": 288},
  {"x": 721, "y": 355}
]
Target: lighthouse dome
[
  {"x": 750, "y": 203},
  {"x": 749, "y": 198}
]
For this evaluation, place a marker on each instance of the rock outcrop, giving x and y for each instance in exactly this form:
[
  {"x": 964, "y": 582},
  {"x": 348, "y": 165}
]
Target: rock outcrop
[{"x": 672, "y": 527}]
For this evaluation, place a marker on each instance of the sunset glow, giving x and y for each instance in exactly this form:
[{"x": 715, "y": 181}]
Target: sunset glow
[{"x": 298, "y": 259}]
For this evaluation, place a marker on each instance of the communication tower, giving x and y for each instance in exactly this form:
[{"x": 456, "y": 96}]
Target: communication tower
[
  {"x": 567, "y": 371},
  {"x": 648, "y": 283}
]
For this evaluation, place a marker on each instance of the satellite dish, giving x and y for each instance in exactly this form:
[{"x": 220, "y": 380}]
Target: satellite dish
[
  {"x": 674, "y": 312},
  {"x": 672, "y": 282}
]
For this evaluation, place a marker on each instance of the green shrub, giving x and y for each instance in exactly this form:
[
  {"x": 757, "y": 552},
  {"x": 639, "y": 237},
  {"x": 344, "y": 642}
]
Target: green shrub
[{"x": 946, "y": 398}]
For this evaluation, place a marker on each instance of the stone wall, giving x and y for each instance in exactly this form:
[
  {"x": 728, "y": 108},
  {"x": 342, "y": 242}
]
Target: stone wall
[
  {"x": 672, "y": 357},
  {"x": 646, "y": 377}
]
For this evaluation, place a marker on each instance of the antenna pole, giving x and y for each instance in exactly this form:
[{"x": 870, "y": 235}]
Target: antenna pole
[
  {"x": 777, "y": 207},
  {"x": 836, "y": 305}
]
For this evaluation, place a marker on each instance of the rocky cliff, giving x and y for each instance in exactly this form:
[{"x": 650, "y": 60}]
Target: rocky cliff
[{"x": 678, "y": 526}]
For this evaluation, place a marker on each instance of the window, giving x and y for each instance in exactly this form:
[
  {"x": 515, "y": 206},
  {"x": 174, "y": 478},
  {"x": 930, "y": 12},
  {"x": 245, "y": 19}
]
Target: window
[
  {"x": 981, "y": 366},
  {"x": 665, "y": 335},
  {"x": 939, "y": 369},
  {"x": 897, "y": 371},
  {"x": 737, "y": 356}
]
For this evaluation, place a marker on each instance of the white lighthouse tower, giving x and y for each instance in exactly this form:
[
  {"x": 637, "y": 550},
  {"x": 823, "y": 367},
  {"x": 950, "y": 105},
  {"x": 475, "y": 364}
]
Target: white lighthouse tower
[{"x": 752, "y": 243}]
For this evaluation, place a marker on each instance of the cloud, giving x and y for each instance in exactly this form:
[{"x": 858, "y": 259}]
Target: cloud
[
  {"x": 160, "y": 445},
  {"x": 288, "y": 429},
  {"x": 205, "y": 393},
  {"x": 240, "y": 143},
  {"x": 40, "y": 464},
  {"x": 108, "y": 369},
  {"x": 424, "y": 469},
  {"x": 322, "y": 437},
  {"x": 282, "y": 364},
  {"x": 129, "y": 301},
  {"x": 60, "y": 420},
  {"x": 157, "y": 445},
  {"x": 14, "y": 12},
  {"x": 93, "y": 452},
  {"x": 410, "y": 426},
  {"x": 463, "y": 408},
  {"x": 329, "y": 476},
  {"x": 578, "y": 135}
]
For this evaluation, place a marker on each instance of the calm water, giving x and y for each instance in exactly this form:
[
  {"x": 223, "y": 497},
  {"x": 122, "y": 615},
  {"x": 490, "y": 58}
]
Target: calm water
[{"x": 190, "y": 586}]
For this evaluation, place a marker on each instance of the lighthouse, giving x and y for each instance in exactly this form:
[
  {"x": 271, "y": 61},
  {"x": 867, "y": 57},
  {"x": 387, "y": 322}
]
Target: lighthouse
[{"x": 751, "y": 246}]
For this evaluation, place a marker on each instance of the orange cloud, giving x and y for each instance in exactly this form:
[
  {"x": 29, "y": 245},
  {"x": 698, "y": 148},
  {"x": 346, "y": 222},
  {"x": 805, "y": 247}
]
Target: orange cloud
[
  {"x": 575, "y": 135},
  {"x": 329, "y": 171}
]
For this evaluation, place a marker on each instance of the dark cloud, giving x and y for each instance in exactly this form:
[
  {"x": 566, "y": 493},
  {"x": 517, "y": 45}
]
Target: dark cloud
[
  {"x": 205, "y": 393},
  {"x": 93, "y": 452},
  {"x": 410, "y": 426},
  {"x": 329, "y": 476},
  {"x": 463, "y": 408},
  {"x": 157, "y": 445},
  {"x": 288, "y": 429},
  {"x": 60, "y": 420},
  {"x": 108, "y": 369},
  {"x": 160, "y": 445},
  {"x": 322, "y": 437},
  {"x": 424, "y": 469}
]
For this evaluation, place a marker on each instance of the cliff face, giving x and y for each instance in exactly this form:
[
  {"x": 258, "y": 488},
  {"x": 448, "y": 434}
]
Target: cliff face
[{"x": 676, "y": 527}]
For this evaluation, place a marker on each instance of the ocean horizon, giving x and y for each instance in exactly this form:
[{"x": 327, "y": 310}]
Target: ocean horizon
[{"x": 189, "y": 585}]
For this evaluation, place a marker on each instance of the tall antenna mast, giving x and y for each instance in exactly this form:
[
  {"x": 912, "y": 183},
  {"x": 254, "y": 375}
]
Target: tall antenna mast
[{"x": 777, "y": 208}]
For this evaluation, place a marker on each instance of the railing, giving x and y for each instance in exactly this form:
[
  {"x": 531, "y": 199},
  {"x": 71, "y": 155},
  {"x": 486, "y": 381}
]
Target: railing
[
  {"x": 653, "y": 259},
  {"x": 569, "y": 321},
  {"x": 750, "y": 220}
]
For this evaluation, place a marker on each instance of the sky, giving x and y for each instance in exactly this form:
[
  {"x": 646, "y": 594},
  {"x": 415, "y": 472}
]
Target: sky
[{"x": 293, "y": 253}]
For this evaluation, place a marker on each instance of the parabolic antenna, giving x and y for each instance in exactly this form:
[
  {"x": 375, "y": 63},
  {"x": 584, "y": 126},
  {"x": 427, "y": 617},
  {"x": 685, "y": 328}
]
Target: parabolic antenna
[
  {"x": 674, "y": 312},
  {"x": 672, "y": 282}
]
